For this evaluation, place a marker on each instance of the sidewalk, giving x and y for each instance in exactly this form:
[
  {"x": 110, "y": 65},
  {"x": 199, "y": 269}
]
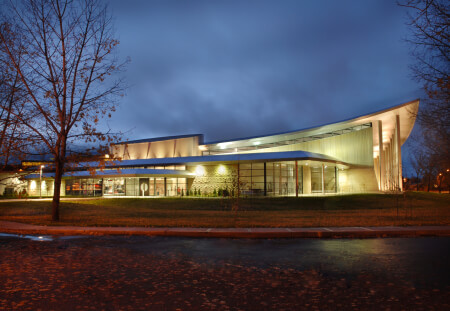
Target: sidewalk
[
  {"x": 332, "y": 232},
  {"x": 46, "y": 199}
]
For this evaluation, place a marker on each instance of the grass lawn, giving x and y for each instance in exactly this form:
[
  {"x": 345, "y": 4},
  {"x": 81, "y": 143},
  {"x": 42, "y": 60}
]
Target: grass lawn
[{"x": 414, "y": 208}]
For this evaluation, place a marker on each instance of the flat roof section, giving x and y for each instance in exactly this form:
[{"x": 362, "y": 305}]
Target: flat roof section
[
  {"x": 223, "y": 158},
  {"x": 119, "y": 173}
]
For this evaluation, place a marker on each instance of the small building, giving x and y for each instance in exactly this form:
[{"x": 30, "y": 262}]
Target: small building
[{"x": 358, "y": 155}]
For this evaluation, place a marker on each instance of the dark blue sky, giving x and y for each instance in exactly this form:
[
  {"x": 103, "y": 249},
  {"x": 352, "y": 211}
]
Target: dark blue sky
[{"x": 231, "y": 69}]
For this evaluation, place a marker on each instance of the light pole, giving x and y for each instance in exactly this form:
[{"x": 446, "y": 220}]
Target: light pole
[{"x": 40, "y": 181}]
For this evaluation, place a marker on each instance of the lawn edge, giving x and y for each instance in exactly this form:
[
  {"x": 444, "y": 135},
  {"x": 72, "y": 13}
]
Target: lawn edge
[{"x": 323, "y": 232}]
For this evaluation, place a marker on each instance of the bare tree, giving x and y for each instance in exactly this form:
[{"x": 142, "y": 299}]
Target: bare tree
[
  {"x": 63, "y": 52},
  {"x": 11, "y": 98},
  {"x": 429, "y": 22},
  {"x": 416, "y": 160},
  {"x": 430, "y": 39}
]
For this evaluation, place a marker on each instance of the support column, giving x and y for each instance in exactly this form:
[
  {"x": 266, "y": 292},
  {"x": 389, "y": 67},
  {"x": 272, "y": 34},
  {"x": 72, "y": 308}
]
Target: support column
[
  {"x": 399, "y": 152},
  {"x": 336, "y": 181},
  {"x": 265, "y": 180},
  {"x": 385, "y": 168},
  {"x": 238, "y": 181},
  {"x": 323, "y": 178},
  {"x": 381, "y": 155},
  {"x": 388, "y": 162},
  {"x": 296, "y": 178},
  {"x": 391, "y": 163}
]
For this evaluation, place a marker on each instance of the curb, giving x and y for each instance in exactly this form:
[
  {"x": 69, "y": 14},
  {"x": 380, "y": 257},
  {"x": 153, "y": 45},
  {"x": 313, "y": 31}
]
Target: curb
[{"x": 247, "y": 233}]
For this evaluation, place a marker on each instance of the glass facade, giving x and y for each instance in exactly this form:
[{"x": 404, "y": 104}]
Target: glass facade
[
  {"x": 323, "y": 179},
  {"x": 251, "y": 179},
  {"x": 144, "y": 186},
  {"x": 330, "y": 180},
  {"x": 114, "y": 186},
  {"x": 316, "y": 179},
  {"x": 280, "y": 178},
  {"x": 89, "y": 187},
  {"x": 283, "y": 178}
]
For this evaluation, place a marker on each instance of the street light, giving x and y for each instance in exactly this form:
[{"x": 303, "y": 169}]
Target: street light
[{"x": 40, "y": 181}]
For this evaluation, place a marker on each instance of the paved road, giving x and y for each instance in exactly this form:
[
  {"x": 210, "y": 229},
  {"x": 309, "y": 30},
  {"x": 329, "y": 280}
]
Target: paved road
[{"x": 166, "y": 273}]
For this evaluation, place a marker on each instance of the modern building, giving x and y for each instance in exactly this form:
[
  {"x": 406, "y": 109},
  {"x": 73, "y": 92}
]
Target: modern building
[{"x": 358, "y": 155}]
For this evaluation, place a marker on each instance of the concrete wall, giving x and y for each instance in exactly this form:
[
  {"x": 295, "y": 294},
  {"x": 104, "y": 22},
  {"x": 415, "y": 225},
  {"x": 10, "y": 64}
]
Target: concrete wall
[
  {"x": 47, "y": 187},
  {"x": 357, "y": 180}
]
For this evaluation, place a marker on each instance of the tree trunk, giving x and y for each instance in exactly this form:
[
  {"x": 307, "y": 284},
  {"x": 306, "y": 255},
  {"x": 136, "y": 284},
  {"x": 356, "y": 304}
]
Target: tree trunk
[{"x": 57, "y": 189}]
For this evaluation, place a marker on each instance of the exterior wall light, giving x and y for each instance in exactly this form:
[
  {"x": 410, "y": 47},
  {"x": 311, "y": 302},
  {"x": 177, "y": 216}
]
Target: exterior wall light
[
  {"x": 221, "y": 170},
  {"x": 223, "y": 145},
  {"x": 200, "y": 170}
]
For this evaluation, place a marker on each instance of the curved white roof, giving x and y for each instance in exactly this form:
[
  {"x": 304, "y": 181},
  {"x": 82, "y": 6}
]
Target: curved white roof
[{"x": 407, "y": 114}]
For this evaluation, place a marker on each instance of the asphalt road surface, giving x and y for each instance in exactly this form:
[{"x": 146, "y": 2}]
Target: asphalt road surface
[{"x": 163, "y": 273}]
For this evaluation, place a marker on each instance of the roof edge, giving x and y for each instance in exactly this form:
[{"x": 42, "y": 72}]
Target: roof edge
[
  {"x": 163, "y": 138},
  {"x": 317, "y": 126}
]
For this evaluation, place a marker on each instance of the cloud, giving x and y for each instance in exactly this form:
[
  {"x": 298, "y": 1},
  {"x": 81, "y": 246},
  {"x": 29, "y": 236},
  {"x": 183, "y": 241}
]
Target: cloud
[{"x": 241, "y": 68}]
